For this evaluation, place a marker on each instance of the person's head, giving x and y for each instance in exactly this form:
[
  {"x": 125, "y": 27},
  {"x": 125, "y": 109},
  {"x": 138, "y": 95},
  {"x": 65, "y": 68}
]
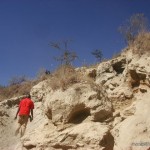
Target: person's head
[{"x": 28, "y": 95}]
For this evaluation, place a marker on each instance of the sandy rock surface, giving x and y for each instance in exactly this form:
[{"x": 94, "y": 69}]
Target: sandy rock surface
[{"x": 110, "y": 114}]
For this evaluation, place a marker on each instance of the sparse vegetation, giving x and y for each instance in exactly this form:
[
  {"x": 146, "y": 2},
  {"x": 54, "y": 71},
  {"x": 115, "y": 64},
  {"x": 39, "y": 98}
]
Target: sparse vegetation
[
  {"x": 16, "y": 89},
  {"x": 43, "y": 74},
  {"x": 135, "y": 33},
  {"x": 141, "y": 44},
  {"x": 63, "y": 77},
  {"x": 136, "y": 24},
  {"x": 98, "y": 54},
  {"x": 17, "y": 80},
  {"x": 67, "y": 56},
  {"x": 66, "y": 76}
]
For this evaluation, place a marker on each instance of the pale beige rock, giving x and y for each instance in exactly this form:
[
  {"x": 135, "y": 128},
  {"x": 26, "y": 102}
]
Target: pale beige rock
[
  {"x": 121, "y": 92},
  {"x": 91, "y": 72},
  {"x": 135, "y": 129},
  {"x": 110, "y": 114},
  {"x": 77, "y": 103},
  {"x": 75, "y": 137},
  {"x": 40, "y": 90}
]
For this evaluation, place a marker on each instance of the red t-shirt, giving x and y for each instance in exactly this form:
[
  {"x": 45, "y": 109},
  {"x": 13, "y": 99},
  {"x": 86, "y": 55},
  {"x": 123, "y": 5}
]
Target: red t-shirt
[{"x": 25, "y": 105}]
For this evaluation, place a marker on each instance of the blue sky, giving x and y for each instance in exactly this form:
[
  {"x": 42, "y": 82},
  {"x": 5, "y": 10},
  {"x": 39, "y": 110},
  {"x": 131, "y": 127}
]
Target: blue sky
[{"x": 27, "y": 27}]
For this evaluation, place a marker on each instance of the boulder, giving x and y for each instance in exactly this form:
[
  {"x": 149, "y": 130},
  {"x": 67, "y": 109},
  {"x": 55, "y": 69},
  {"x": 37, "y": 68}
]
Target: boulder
[
  {"x": 134, "y": 132},
  {"x": 76, "y": 137},
  {"x": 39, "y": 91},
  {"x": 76, "y": 104}
]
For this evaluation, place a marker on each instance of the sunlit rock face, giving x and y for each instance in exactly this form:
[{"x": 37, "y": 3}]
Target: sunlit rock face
[
  {"x": 109, "y": 113},
  {"x": 77, "y": 103}
]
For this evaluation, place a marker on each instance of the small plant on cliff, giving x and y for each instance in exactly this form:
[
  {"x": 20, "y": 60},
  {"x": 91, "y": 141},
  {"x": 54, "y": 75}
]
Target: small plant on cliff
[
  {"x": 136, "y": 24},
  {"x": 63, "y": 77},
  {"x": 98, "y": 54},
  {"x": 17, "y": 80},
  {"x": 15, "y": 90},
  {"x": 67, "y": 56},
  {"x": 141, "y": 44}
]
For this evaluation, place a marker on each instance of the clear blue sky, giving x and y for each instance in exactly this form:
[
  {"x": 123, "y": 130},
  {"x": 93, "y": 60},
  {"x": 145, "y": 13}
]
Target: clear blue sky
[{"x": 27, "y": 26}]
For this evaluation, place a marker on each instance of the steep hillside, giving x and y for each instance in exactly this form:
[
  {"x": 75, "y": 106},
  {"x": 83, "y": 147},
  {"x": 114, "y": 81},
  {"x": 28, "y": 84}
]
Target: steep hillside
[{"x": 110, "y": 112}]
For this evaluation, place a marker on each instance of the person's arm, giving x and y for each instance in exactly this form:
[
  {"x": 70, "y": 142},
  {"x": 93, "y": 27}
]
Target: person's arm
[
  {"x": 31, "y": 114},
  {"x": 17, "y": 112},
  {"x": 31, "y": 110}
]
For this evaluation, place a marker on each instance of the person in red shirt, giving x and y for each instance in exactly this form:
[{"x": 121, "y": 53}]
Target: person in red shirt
[{"x": 25, "y": 108}]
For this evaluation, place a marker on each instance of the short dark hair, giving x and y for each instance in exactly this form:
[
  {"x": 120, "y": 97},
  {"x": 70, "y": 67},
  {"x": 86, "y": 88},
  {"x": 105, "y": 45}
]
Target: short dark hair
[{"x": 28, "y": 96}]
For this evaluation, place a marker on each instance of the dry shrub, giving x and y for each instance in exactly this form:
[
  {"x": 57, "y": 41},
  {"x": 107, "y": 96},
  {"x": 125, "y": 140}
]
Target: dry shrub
[
  {"x": 66, "y": 76},
  {"x": 63, "y": 77},
  {"x": 43, "y": 74},
  {"x": 16, "y": 90},
  {"x": 136, "y": 24},
  {"x": 17, "y": 80},
  {"x": 141, "y": 44}
]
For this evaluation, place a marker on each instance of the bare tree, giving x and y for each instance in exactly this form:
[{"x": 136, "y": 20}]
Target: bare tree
[
  {"x": 67, "y": 56},
  {"x": 136, "y": 24},
  {"x": 98, "y": 54}
]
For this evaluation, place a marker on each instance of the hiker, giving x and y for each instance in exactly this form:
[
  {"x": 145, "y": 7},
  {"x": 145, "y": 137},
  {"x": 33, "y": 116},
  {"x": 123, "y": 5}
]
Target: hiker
[{"x": 25, "y": 108}]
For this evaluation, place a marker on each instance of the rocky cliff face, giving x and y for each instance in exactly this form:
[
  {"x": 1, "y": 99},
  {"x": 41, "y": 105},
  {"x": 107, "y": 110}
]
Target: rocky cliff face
[{"x": 111, "y": 114}]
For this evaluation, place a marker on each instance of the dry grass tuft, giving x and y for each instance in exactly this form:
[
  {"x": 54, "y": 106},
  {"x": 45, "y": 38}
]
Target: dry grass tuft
[
  {"x": 141, "y": 44},
  {"x": 63, "y": 77},
  {"x": 16, "y": 90},
  {"x": 66, "y": 76}
]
